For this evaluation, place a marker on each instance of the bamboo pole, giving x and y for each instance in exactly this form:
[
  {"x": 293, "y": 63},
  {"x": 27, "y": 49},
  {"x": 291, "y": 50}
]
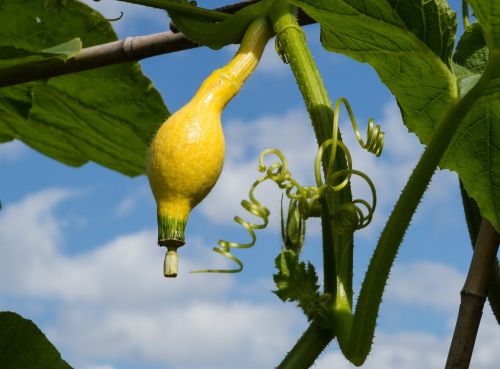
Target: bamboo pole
[{"x": 473, "y": 296}]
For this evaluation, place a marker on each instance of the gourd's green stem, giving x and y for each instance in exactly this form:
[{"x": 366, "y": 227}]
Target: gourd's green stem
[
  {"x": 465, "y": 14},
  {"x": 358, "y": 343},
  {"x": 337, "y": 249},
  {"x": 213, "y": 15},
  {"x": 308, "y": 348},
  {"x": 292, "y": 43}
]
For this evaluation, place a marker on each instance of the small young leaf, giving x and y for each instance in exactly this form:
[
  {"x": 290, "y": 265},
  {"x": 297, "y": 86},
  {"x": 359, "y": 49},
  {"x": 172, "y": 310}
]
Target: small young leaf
[{"x": 297, "y": 282}]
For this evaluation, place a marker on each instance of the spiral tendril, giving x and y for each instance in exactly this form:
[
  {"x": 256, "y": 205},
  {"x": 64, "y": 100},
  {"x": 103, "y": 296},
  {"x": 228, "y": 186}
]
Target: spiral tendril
[
  {"x": 346, "y": 218},
  {"x": 116, "y": 18}
]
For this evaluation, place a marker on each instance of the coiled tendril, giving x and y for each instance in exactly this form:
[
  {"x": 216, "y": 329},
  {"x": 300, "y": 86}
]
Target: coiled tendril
[{"x": 346, "y": 219}]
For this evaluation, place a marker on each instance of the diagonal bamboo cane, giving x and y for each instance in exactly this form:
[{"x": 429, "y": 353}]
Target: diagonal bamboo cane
[{"x": 473, "y": 296}]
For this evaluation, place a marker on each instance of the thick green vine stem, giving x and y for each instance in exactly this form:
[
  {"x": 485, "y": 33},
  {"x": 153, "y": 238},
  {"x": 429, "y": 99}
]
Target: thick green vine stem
[
  {"x": 308, "y": 348},
  {"x": 465, "y": 14},
  {"x": 355, "y": 333},
  {"x": 293, "y": 48},
  {"x": 292, "y": 45}
]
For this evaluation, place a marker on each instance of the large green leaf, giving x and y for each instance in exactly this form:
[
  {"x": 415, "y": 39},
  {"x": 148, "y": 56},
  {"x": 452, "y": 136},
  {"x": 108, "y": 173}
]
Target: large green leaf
[
  {"x": 408, "y": 42},
  {"x": 11, "y": 56},
  {"x": 105, "y": 115},
  {"x": 475, "y": 151},
  {"x": 488, "y": 14},
  {"x": 24, "y": 346}
]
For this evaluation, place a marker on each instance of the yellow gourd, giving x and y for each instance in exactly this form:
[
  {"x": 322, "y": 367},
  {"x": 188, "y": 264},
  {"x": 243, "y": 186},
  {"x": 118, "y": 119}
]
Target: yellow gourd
[{"x": 186, "y": 156}]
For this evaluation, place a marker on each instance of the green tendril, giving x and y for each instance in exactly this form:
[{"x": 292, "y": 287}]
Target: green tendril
[{"x": 346, "y": 219}]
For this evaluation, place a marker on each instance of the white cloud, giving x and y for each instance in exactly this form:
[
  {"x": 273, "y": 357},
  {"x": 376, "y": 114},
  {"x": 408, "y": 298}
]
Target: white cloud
[
  {"x": 113, "y": 304},
  {"x": 415, "y": 350},
  {"x": 220, "y": 333},
  {"x": 126, "y": 263},
  {"x": 435, "y": 287},
  {"x": 402, "y": 350},
  {"x": 431, "y": 285},
  {"x": 98, "y": 366},
  {"x": 11, "y": 151},
  {"x": 291, "y": 134},
  {"x": 131, "y": 200}
]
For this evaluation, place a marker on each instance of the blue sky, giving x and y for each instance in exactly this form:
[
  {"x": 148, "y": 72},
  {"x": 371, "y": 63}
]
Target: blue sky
[{"x": 78, "y": 254}]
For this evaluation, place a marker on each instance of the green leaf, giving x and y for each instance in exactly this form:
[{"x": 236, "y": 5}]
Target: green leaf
[
  {"x": 472, "y": 52},
  {"x": 474, "y": 152},
  {"x": 105, "y": 115},
  {"x": 24, "y": 346},
  {"x": 488, "y": 14},
  {"x": 12, "y": 56},
  {"x": 297, "y": 282},
  {"x": 408, "y": 42},
  {"x": 218, "y": 34}
]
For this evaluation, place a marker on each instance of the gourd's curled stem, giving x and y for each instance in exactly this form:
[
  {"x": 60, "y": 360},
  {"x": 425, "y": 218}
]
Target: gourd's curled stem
[{"x": 355, "y": 332}]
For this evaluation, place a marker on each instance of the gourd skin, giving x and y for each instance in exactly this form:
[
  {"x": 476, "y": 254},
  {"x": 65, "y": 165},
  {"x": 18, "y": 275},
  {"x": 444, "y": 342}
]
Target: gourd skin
[
  {"x": 185, "y": 161},
  {"x": 186, "y": 156}
]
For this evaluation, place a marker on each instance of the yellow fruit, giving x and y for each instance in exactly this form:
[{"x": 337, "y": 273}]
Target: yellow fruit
[{"x": 187, "y": 154}]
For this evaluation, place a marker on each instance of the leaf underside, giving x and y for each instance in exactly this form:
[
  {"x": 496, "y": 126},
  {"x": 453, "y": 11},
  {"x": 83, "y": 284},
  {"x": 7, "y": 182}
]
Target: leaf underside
[
  {"x": 475, "y": 151},
  {"x": 105, "y": 115},
  {"x": 24, "y": 346}
]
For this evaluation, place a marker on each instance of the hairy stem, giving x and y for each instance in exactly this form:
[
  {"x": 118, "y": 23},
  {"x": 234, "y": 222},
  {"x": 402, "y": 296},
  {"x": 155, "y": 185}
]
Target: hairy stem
[
  {"x": 465, "y": 14},
  {"x": 337, "y": 249},
  {"x": 308, "y": 348},
  {"x": 357, "y": 346},
  {"x": 473, "y": 296},
  {"x": 292, "y": 43}
]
